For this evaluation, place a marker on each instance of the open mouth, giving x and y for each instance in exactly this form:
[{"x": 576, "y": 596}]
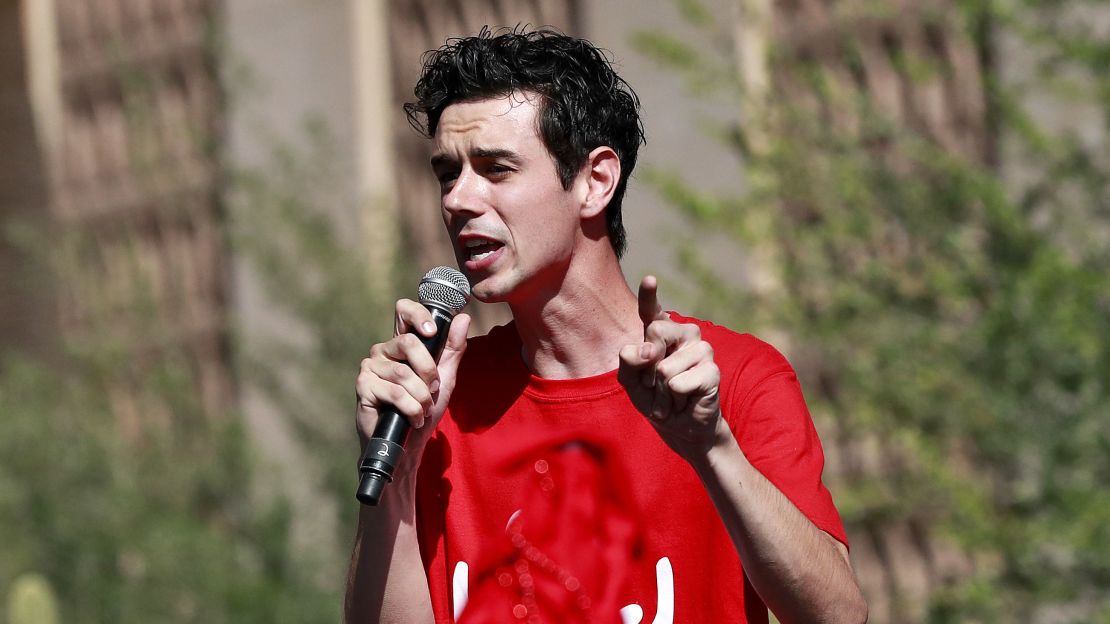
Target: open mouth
[
  {"x": 480, "y": 253},
  {"x": 479, "y": 249}
]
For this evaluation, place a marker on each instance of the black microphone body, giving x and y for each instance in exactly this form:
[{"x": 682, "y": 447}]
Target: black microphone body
[{"x": 384, "y": 450}]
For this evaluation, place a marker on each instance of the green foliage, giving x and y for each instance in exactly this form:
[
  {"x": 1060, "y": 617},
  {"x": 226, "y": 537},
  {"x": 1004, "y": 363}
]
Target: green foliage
[
  {"x": 958, "y": 316},
  {"x": 704, "y": 73},
  {"x": 147, "y": 513},
  {"x": 321, "y": 285},
  {"x": 155, "y": 520},
  {"x": 153, "y": 528},
  {"x": 131, "y": 500}
]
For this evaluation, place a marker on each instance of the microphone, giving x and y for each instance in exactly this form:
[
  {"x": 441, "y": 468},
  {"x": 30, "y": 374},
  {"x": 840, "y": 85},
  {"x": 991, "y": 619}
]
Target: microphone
[{"x": 444, "y": 291}]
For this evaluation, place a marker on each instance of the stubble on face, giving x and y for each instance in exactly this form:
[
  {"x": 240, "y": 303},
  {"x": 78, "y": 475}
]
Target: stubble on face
[{"x": 513, "y": 226}]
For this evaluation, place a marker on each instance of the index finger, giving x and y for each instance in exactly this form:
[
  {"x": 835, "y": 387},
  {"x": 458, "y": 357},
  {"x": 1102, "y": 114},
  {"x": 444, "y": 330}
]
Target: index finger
[
  {"x": 412, "y": 315},
  {"x": 650, "y": 310}
]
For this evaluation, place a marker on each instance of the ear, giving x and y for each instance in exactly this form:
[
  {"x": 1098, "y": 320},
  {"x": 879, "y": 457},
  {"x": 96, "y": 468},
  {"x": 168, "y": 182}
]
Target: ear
[{"x": 602, "y": 172}]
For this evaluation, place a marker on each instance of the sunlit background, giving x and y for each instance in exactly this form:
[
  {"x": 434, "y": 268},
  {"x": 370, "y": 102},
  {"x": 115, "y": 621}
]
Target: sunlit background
[{"x": 208, "y": 207}]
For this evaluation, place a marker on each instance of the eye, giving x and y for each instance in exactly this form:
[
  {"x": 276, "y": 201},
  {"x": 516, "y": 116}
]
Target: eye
[
  {"x": 498, "y": 170},
  {"x": 446, "y": 178}
]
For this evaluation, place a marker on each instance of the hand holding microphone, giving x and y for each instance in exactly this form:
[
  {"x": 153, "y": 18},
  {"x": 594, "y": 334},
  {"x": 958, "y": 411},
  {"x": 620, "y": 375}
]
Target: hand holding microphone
[{"x": 400, "y": 385}]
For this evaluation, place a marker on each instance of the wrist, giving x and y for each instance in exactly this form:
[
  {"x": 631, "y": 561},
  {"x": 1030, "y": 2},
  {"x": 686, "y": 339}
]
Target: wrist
[
  {"x": 391, "y": 488},
  {"x": 722, "y": 448}
]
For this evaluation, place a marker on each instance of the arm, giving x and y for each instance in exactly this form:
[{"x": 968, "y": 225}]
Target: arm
[
  {"x": 800, "y": 572},
  {"x": 386, "y": 581}
]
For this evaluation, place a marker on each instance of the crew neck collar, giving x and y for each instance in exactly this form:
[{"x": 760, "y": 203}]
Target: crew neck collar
[{"x": 555, "y": 390}]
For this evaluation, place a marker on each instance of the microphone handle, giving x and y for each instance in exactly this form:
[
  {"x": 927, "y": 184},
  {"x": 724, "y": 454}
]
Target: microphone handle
[{"x": 387, "y": 445}]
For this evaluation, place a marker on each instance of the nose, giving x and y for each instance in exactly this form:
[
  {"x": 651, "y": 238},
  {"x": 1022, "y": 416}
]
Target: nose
[{"x": 465, "y": 195}]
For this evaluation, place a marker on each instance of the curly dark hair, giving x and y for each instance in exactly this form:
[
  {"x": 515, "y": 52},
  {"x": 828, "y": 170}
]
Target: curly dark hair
[{"x": 584, "y": 104}]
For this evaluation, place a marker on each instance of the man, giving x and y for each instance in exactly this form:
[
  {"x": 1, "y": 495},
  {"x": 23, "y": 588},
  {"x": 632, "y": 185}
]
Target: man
[{"x": 534, "y": 137}]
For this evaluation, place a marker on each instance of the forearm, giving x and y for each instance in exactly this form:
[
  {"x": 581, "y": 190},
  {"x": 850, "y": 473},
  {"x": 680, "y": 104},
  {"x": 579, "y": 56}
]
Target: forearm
[
  {"x": 801, "y": 572},
  {"x": 386, "y": 581}
]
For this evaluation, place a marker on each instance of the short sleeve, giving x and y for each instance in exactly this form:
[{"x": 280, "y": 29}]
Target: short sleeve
[{"x": 775, "y": 431}]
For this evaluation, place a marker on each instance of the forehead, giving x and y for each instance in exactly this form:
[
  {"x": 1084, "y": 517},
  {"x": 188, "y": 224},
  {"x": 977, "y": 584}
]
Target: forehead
[{"x": 506, "y": 119}]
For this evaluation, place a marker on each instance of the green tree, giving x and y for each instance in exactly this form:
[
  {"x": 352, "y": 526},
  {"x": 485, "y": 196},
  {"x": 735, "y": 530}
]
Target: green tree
[
  {"x": 954, "y": 311},
  {"x": 156, "y": 518},
  {"x": 139, "y": 526}
]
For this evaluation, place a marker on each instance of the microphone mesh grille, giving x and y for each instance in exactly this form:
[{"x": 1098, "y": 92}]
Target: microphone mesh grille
[{"x": 445, "y": 287}]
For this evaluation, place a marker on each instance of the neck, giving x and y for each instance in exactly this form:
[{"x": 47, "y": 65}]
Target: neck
[{"x": 577, "y": 328}]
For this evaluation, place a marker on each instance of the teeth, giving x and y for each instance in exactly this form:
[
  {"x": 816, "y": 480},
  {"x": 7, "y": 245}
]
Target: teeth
[{"x": 479, "y": 248}]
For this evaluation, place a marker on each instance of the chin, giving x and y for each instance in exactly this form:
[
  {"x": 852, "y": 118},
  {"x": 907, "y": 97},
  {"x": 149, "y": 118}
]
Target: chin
[
  {"x": 491, "y": 290},
  {"x": 485, "y": 291}
]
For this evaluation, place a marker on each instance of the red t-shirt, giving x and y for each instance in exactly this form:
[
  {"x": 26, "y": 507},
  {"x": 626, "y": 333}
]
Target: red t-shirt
[{"x": 687, "y": 569}]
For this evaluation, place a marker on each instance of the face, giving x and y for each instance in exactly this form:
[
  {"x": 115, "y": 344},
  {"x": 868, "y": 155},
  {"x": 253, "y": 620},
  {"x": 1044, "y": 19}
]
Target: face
[{"x": 513, "y": 226}]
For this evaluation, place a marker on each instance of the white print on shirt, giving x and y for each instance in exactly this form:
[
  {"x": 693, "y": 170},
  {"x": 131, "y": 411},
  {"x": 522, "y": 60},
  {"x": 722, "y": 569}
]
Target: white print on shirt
[
  {"x": 664, "y": 590},
  {"x": 460, "y": 588},
  {"x": 630, "y": 614}
]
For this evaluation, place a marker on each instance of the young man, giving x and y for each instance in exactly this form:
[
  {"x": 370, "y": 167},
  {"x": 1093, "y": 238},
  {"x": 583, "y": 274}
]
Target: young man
[{"x": 534, "y": 139}]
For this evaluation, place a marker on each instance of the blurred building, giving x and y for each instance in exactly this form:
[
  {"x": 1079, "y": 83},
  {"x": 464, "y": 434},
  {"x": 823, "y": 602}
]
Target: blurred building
[
  {"x": 120, "y": 120},
  {"x": 117, "y": 144}
]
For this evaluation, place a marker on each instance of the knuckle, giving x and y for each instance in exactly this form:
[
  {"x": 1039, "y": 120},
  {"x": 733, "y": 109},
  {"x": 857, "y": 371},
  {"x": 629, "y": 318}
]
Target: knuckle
[
  {"x": 366, "y": 403},
  {"x": 689, "y": 333},
  {"x": 365, "y": 381},
  {"x": 400, "y": 371},
  {"x": 362, "y": 382},
  {"x": 408, "y": 341}
]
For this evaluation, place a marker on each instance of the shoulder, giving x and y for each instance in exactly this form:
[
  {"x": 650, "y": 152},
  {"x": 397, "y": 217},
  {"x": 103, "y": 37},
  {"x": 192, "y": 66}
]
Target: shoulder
[
  {"x": 740, "y": 356},
  {"x": 491, "y": 377},
  {"x": 750, "y": 368},
  {"x": 494, "y": 344},
  {"x": 494, "y": 353}
]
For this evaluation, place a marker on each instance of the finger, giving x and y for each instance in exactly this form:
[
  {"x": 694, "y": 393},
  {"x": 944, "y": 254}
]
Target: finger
[
  {"x": 397, "y": 396},
  {"x": 638, "y": 361},
  {"x": 652, "y": 354},
  {"x": 412, "y": 315},
  {"x": 683, "y": 359},
  {"x": 649, "y": 307},
  {"x": 452, "y": 354},
  {"x": 671, "y": 336},
  {"x": 696, "y": 383},
  {"x": 407, "y": 349},
  {"x": 638, "y": 356},
  {"x": 630, "y": 374},
  {"x": 400, "y": 374},
  {"x": 374, "y": 393}
]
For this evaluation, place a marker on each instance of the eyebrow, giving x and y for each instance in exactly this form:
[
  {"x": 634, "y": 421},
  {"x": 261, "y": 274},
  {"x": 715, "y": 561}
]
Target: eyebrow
[{"x": 439, "y": 160}]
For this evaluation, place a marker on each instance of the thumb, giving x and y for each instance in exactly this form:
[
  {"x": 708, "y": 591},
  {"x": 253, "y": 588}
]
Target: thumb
[{"x": 453, "y": 350}]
